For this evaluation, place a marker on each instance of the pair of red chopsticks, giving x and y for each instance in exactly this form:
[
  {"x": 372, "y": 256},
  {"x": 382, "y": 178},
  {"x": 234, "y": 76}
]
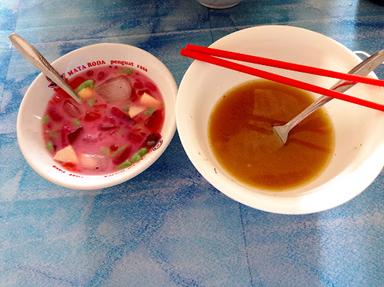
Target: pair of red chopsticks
[{"x": 216, "y": 57}]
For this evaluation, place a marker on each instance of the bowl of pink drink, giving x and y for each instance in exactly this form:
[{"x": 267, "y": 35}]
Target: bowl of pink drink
[{"x": 123, "y": 124}]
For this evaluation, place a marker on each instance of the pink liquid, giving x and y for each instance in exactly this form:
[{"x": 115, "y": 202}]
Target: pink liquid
[{"x": 101, "y": 129}]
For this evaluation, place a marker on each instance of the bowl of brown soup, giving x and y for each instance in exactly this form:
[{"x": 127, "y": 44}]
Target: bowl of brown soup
[{"x": 225, "y": 119}]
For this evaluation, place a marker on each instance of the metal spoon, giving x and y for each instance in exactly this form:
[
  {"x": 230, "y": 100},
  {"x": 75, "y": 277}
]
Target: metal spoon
[
  {"x": 35, "y": 57},
  {"x": 363, "y": 69}
]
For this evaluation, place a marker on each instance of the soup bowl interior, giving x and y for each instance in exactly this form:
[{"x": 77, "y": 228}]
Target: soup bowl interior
[
  {"x": 359, "y": 151},
  {"x": 32, "y": 109}
]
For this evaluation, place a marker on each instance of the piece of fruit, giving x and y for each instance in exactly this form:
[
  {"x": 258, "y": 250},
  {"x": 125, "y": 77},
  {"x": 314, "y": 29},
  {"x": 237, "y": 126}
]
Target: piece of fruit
[
  {"x": 85, "y": 84},
  {"x": 149, "y": 101},
  {"x": 135, "y": 110},
  {"x": 86, "y": 93},
  {"x": 66, "y": 154}
]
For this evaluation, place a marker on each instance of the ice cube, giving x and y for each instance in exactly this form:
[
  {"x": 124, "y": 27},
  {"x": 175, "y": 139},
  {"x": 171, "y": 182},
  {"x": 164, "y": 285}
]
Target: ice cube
[
  {"x": 115, "y": 90},
  {"x": 93, "y": 161}
]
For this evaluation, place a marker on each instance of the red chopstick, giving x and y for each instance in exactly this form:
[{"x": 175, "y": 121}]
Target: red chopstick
[
  {"x": 277, "y": 78},
  {"x": 284, "y": 65}
]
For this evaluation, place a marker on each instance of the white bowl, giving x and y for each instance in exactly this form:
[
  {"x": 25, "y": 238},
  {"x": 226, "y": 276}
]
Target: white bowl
[
  {"x": 29, "y": 128},
  {"x": 359, "y": 141}
]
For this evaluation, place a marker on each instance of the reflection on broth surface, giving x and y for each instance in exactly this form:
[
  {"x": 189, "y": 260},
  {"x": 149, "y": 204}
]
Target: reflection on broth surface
[{"x": 241, "y": 136}]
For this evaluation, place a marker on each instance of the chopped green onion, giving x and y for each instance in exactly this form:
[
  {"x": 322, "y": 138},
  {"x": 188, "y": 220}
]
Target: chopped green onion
[
  {"x": 45, "y": 119},
  {"x": 127, "y": 71},
  {"x": 139, "y": 154},
  {"x": 118, "y": 151},
  {"x": 135, "y": 158},
  {"x": 149, "y": 111},
  {"x": 76, "y": 122},
  {"x": 49, "y": 146},
  {"x": 85, "y": 84},
  {"x": 124, "y": 164},
  {"x": 91, "y": 102},
  {"x": 125, "y": 109},
  {"x": 105, "y": 150},
  {"x": 53, "y": 134},
  {"x": 142, "y": 151}
]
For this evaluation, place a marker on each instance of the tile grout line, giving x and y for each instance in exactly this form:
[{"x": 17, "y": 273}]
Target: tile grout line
[
  {"x": 210, "y": 24},
  {"x": 245, "y": 243}
]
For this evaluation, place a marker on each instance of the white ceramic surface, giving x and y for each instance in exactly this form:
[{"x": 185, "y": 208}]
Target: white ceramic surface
[
  {"x": 29, "y": 129},
  {"x": 359, "y": 141}
]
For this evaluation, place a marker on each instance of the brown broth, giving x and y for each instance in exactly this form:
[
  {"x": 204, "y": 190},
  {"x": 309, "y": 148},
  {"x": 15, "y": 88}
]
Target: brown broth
[{"x": 241, "y": 136}]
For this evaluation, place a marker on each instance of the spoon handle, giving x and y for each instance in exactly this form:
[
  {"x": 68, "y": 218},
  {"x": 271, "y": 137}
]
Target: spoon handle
[
  {"x": 38, "y": 60},
  {"x": 362, "y": 69}
]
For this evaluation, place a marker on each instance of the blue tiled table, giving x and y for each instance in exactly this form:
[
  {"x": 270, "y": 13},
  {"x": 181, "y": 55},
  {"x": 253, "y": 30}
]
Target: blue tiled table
[{"x": 168, "y": 226}]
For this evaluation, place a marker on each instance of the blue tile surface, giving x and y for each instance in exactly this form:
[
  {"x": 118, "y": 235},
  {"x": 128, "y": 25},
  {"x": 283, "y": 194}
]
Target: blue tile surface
[
  {"x": 58, "y": 20},
  {"x": 168, "y": 226}
]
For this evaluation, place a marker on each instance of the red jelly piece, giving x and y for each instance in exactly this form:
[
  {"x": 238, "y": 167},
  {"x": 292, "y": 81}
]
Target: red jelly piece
[
  {"x": 74, "y": 135},
  {"x": 70, "y": 166},
  {"x": 99, "y": 106},
  {"x": 140, "y": 92},
  {"x": 90, "y": 138},
  {"x": 113, "y": 147},
  {"x": 91, "y": 116},
  {"x": 106, "y": 126},
  {"x": 151, "y": 86},
  {"x": 138, "y": 85},
  {"x": 136, "y": 138},
  {"x": 155, "y": 121},
  {"x": 120, "y": 114},
  {"x": 65, "y": 131},
  {"x": 100, "y": 75},
  {"x": 60, "y": 95},
  {"x": 134, "y": 95},
  {"x": 152, "y": 140},
  {"x": 54, "y": 115}
]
